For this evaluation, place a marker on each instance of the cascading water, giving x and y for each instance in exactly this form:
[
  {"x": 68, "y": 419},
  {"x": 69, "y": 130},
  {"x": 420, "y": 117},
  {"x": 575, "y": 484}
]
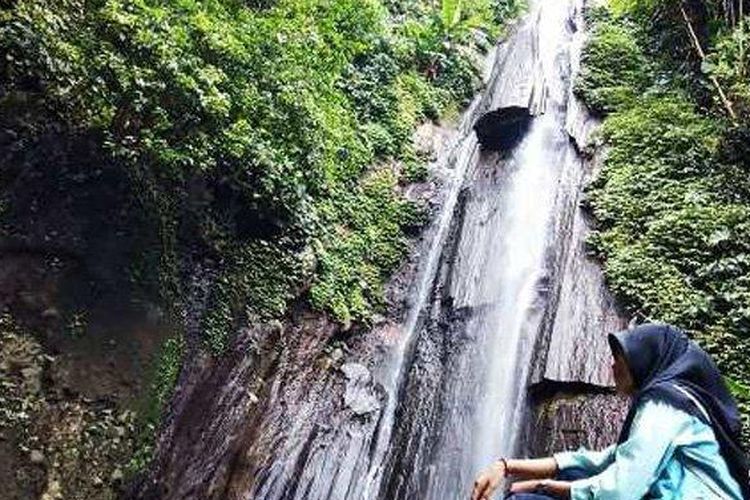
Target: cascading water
[
  {"x": 520, "y": 235},
  {"x": 500, "y": 279},
  {"x": 502, "y": 288}
]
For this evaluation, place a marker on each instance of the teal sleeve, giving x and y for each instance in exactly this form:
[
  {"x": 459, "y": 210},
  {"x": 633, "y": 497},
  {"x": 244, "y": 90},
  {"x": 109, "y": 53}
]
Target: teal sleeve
[
  {"x": 592, "y": 462},
  {"x": 639, "y": 460}
]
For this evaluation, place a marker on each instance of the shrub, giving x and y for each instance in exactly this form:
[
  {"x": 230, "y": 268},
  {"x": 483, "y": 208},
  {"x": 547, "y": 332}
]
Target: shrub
[
  {"x": 243, "y": 128},
  {"x": 614, "y": 67}
]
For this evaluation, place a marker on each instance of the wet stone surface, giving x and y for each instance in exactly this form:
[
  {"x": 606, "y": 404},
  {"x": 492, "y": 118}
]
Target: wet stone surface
[
  {"x": 360, "y": 395},
  {"x": 569, "y": 420}
]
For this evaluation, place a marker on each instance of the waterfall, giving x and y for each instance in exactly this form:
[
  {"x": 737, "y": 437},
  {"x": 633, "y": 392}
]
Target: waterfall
[
  {"x": 512, "y": 271},
  {"x": 503, "y": 296},
  {"x": 518, "y": 236}
]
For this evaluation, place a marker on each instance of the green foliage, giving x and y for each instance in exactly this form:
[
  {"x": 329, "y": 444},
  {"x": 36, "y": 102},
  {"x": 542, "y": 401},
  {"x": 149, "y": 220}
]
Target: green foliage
[
  {"x": 672, "y": 203},
  {"x": 361, "y": 253},
  {"x": 614, "y": 68},
  {"x": 739, "y": 388},
  {"x": 264, "y": 271},
  {"x": 443, "y": 41},
  {"x": 622, "y": 7},
  {"x": 450, "y": 12},
  {"x": 728, "y": 61},
  {"x": 247, "y": 132},
  {"x": 722, "y": 35},
  {"x": 414, "y": 170}
]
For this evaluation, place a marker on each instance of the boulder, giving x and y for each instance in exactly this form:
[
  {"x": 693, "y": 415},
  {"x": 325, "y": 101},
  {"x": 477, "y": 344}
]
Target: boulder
[{"x": 360, "y": 395}]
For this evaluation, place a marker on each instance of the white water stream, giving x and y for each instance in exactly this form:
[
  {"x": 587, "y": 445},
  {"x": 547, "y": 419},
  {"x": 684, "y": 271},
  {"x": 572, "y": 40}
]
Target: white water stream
[{"x": 501, "y": 265}]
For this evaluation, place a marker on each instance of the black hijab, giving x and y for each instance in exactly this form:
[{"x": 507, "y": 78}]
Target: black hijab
[{"x": 660, "y": 356}]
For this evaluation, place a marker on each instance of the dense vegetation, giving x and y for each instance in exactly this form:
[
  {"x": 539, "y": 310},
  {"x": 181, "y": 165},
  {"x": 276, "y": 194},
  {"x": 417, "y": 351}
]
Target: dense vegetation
[
  {"x": 248, "y": 135},
  {"x": 254, "y": 151},
  {"x": 673, "y": 199}
]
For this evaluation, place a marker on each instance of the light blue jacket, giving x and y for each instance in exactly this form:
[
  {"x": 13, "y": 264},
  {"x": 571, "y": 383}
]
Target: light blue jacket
[{"x": 669, "y": 454}]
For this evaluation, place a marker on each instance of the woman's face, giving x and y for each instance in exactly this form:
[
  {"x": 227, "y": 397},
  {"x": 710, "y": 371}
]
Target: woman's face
[{"x": 623, "y": 379}]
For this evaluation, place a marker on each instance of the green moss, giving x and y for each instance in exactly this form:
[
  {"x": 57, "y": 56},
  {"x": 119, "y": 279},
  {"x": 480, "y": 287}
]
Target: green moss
[
  {"x": 164, "y": 373},
  {"x": 356, "y": 257},
  {"x": 415, "y": 170},
  {"x": 257, "y": 280}
]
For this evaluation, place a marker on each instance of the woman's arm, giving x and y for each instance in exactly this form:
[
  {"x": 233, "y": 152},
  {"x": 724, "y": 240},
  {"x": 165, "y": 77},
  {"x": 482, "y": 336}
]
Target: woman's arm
[
  {"x": 591, "y": 462},
  {"x": 639, "y": 460},
  {"x": 492, "y": 477},
  {"x": 532, "y": 468}
]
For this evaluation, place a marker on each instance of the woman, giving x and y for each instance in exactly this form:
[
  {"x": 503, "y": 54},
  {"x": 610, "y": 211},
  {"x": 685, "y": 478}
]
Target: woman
[{"x": 680, "y": 438}]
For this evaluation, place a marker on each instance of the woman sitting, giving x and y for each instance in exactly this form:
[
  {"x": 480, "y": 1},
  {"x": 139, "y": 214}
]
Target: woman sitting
[{"x": 680, "y": 439}]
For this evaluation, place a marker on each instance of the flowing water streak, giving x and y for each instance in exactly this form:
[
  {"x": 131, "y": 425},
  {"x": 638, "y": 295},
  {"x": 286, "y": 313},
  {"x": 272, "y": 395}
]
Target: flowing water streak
[
  {"x": 511, "y": 264},
  {"x": 452, "y": 164},
  {"x": 529, "y": 208},
  {"x": 464, "y": 399}
]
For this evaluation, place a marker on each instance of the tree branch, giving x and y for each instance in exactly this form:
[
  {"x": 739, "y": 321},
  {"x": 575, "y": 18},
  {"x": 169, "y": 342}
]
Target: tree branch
[{"x": 697, "y": 45}]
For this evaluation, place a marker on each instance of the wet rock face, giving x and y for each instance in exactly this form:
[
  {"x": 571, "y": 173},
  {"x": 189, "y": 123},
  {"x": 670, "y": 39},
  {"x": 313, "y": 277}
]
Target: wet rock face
[
  {"x": 571, "y": 418},
  {"x": 215, "y": 413},
  {"x": 280, "y": 412},
  {"x": 572, "y": 347},
  {"x": 503, "y": 128},
  {"x": 360, "y": 395}
]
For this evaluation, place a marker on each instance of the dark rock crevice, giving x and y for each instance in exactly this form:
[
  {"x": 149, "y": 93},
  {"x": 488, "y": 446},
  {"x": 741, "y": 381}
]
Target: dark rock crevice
[{"x": 502, "y": 129}]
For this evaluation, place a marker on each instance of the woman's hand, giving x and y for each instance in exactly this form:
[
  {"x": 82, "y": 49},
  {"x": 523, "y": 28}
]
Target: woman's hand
[
  {"x": 560, "y": 489},
  {"x": 488, "y": 481}
]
